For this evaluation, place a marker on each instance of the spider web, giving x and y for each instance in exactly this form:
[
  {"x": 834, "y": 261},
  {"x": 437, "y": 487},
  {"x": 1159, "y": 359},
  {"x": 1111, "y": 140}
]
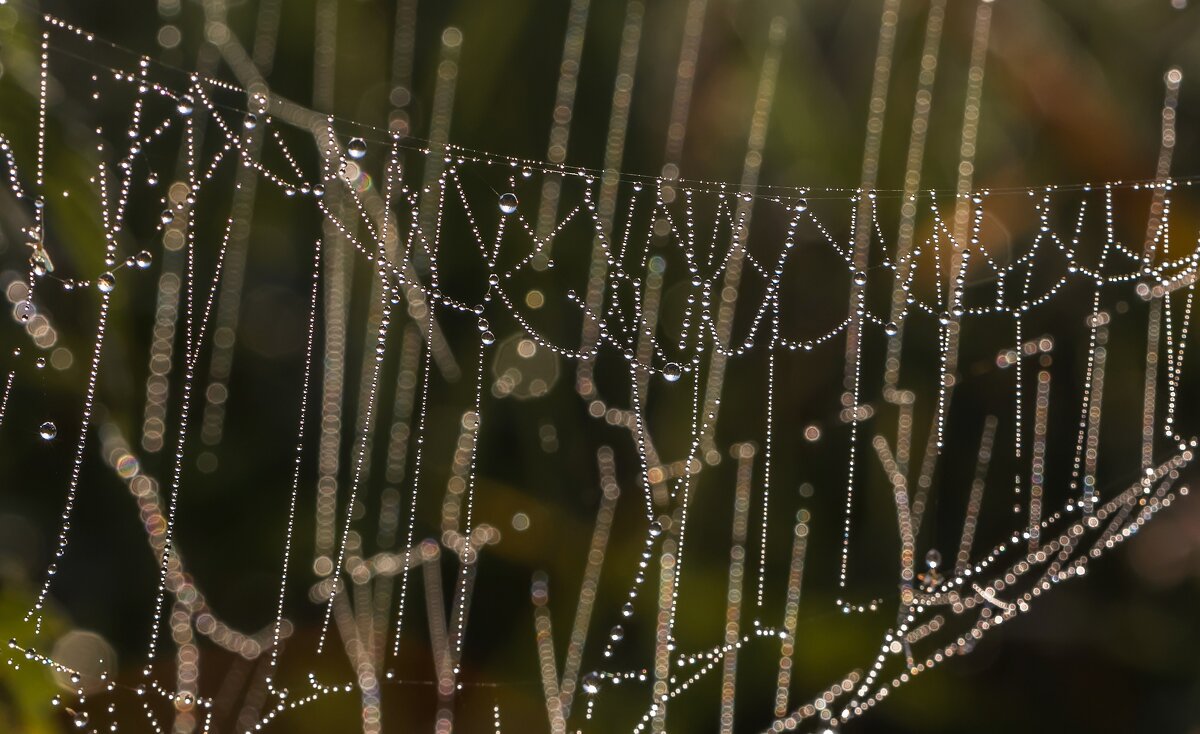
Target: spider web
[{"x": 444, "y": 281}]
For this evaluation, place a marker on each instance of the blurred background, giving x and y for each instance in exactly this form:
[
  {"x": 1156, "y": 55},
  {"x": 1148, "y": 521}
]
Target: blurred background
[{"x": 1073, "y": 93}]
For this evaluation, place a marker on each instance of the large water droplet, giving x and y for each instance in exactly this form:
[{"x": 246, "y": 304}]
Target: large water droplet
[
  {"x": 508, "y": 202},
  {"x": 356, "y": 148},
  {"x": 656, "y": 528},
  {"x": 167, "y": 216},
  {"x": 488, "y": 338},
  {"x": 185, "y": 104},
  {"x": 251, "y": 121},
  {"x": 143, "y": 259},
  {"x": 891, "y": 328},
  {"x": 933, "y": 558},
  {"x": 48, "y": 430},
  {"x": 672, "y": 372},
  {"x": 860, "y": 278},
  {"x": 617, "y": 633},
  {"x": 801, "y": 205},
  {"x": 23, "y": 311},
  {"x": 591, "y": 684},
  {"x": 81, "y": 719},
  {"x": 106, "y": 282}
]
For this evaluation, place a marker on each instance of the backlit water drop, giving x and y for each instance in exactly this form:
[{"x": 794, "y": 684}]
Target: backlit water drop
[
  {"x": 591, "y": 684},
  {"x": 933, "y": 558}
]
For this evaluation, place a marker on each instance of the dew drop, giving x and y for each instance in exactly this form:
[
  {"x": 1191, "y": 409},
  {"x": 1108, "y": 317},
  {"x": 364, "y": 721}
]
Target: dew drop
[
  {"x": 860, "y": 278},
  {"x": 672, "y": 372},
  {"x": 40, "y": 363},
  {"x": 591, "y": 684},
  {"x": 656, "y": 528},
  {"x": 627, "y": 610},
  {"x": 933, "y": 558},
  {"x": 488, "y": 338},
  {"x": 185, "y": 104},
  {"x": 617, "y": 633},
  {"x": 357, "y": 148},
  {"x": 801, "y": 205},
  {"x": 81, "y": 719},
  {"x": 48, "y": 431},
  {"x": 508, "y": 202},
  {"x": 143, "y": 259},
  {"x": 23, "y": 311},
  {"x": 251, "y": 121},
  {"x": 106, "y": 282},
  {"x": 167, "y": 216},
  {"x": 891, "y": 328}
]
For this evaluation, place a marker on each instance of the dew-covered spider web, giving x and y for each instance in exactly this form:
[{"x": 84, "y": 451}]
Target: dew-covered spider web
[{"x": 783, "y": 414}]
